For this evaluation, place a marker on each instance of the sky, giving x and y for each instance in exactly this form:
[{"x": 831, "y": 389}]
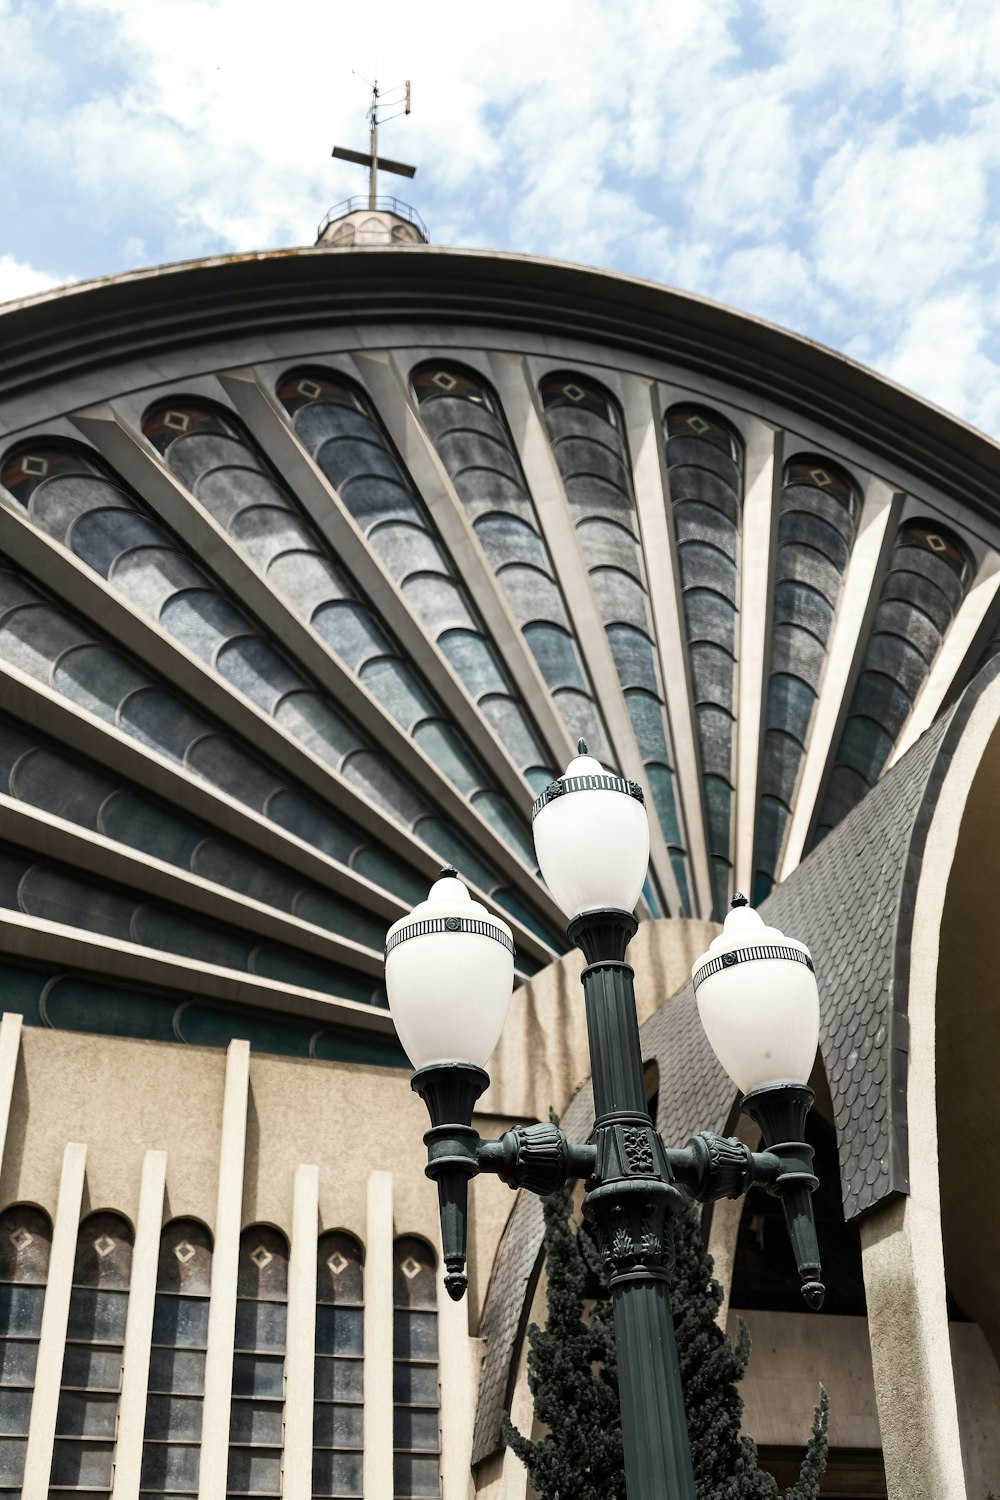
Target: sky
[{"x": 830, "y": 165}]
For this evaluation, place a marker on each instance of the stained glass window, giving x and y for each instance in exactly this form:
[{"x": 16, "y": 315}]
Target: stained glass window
[
  {"x": 929, "y": 572},
  {"x": 256, "y": 1418},
  {"x": 416, "y": 1401},
  {"x": 338, "y": 1413},
  {"x": 172, "y": 1445},
  {"x": 86, "y": 1422},
  {"x": 25, "y": 1246}
]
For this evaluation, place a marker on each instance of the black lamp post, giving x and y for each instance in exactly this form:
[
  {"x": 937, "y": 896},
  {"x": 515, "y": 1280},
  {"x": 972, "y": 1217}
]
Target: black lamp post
[{"x": 449, "y": 972}]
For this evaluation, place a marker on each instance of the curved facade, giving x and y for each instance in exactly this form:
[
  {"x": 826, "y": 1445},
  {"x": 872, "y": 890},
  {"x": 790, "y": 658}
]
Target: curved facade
[{"x": 313, "y": 568}]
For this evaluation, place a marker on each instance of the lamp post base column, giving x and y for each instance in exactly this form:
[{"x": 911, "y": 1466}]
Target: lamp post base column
[{"x": 654, "y": 1427}]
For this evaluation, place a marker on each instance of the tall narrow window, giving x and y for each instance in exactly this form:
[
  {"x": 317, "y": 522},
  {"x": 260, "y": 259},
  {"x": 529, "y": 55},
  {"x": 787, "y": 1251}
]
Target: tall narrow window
[
  {"x": 340, "y": 428},
  {"x": 928, "y": 575},
  {"x": 818, "y": 516},
  {"x": 705, "y": 459},
  {"x": 338, "y": 1415},
  {"x": 83, "y": 1456},
  {"x": 587, "y": 433},
  {"x": 25, "y": 1245},
  {"x": 172, "y": 1445},
  {"x": 255, "y": 1427},
  {"x": 416, "y": 1408},
  {"x": 467, "y": 427}
]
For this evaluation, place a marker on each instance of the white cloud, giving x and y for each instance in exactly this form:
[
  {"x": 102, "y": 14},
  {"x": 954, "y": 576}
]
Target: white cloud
[
  {"x": 892, "y": 220},
  {"x": 20, "y": 280},
  {"x": 829, "y": 167}
]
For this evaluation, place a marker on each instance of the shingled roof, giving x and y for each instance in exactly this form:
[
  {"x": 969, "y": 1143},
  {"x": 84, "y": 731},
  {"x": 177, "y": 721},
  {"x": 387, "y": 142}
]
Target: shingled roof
[{"x": 851, "y": 901}]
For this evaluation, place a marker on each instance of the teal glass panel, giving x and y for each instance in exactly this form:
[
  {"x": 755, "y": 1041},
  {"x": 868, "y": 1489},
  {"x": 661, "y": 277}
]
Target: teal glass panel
[
  {"x": 130, "y": 818},
  {"x": 13, "y": 868},
  {"x": 510, "y": 725},
  {"x": 790, "y": 703},
  {"x": 342, "y": 917},
  {"x": 163, "y": 722},
  {"x": 309, "y": 822},
  {"x": 13, "y": 744},
  {"x": 512, "y": 902},
  {"x": 322, "y": 730},
  {"x": 297, "y": 969},
  {"x": 646, "y": 713},
  {"x": 258, "y": 671},
  {"x": 473, "y": 661},
  {"x": 156, "y": 928},
  {"x": 446, "y": 749},
  {"x": 718, "y": 800},
  {"x": 202, "y": 621},
  {"x": 58, "y": 897},
  {"x": 649, "y": 896},
  {"x": 21, "y": 990},
  {"x": 633, "y": 657},
  {"x": 351, "y": 631},
  {"x": 103, "y": 535},
  {"x": 865, "y": 747},
  {"x": 342, "y": 1046},
  {"x": 453, "y": 850},
  {"x": 203, "y": 1026},
  {"x": 661, "y": 785},
  {"x": 555, "y": 653},
  {"x": 240, "y": 870},
  {"x": 86, "y": 1005},
  {"x": 382, "y": 869},
  {"x": 393, "y": 685},
  {"x": 503, "y": 820},
  {"x": 96, "y": 678}
]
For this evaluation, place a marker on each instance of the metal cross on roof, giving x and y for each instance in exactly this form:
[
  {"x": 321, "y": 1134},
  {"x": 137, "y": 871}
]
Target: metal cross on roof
[{"x": 391, "y": 99}]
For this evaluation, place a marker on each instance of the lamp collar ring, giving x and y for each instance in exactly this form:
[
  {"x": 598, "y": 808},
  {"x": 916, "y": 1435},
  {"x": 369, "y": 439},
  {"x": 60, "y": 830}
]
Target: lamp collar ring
[
  {"x": 426, "y": 925},
  {"x": 748, "y": 955},
  {"x": 604, "y": 781}
]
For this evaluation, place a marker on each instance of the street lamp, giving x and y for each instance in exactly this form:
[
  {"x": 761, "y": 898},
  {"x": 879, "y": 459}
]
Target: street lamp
[{"x": 449, "y": 973}]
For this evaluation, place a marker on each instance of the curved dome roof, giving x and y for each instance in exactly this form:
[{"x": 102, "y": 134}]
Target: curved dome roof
[{"x": 316, "y": 564}]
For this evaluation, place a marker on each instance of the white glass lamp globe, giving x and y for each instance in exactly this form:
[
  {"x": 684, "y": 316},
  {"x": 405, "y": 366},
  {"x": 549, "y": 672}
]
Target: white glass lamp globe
[
  {"x": 449, "y": 973},
  {"x": 591, "y": 838},
  {"x": 758, "y": 1002}
]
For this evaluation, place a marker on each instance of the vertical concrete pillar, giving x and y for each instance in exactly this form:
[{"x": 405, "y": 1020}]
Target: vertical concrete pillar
[
  {"x": 378, "y": 1339},
  {"x": 225, "y": 1264},
  {"x": 458, "y": 1364},
  {"x": 10, "y": 1047},
  {"x": 300, "y": 1345},
  {"x": 756, "y": 570},
  {"x": 52, "y": 1343},
  {"x": 139, "y": 1327},
  {"x": 911, "y": 1353}
]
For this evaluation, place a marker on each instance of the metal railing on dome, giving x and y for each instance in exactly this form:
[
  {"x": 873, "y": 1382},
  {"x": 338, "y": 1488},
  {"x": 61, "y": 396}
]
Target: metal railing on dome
[{"x": 382, "y": 205}]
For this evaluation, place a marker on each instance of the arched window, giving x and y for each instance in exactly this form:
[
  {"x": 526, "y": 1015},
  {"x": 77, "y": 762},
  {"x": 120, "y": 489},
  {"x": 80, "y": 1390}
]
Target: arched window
[
  {"x": 929, "y": 573},
  {"x": 339, "y": 1414},
  {"x": 25, "y": 1246},
  {"x": 172, "y": 1445},
  {"x": 255, "y": 1427},
  {"x": 339, "y": 427},
  {"x": 463, "y": 418},
  {"x": 705, "y": 462},
  {"x": 817, "y": 520},
  {"x": 587, "y": 433},
  {"x": 83, "y": 1455},
  {"x": 416, "y": 1408}
]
